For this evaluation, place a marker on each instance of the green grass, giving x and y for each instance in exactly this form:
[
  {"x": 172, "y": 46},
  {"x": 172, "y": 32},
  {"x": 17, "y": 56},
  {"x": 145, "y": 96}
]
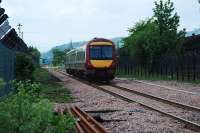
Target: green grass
[
  {"x": 51, "y": 89},
  {"x": 42, "y": 75},
  {"x": 56, "y": 93}
]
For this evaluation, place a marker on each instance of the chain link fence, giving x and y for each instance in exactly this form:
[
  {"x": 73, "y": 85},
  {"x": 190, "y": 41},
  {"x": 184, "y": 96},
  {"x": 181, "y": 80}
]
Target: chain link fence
[{"x": 7, "y": 58}]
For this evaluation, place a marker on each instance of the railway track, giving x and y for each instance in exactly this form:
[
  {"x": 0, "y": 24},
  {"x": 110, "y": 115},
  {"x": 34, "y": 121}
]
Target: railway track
[
  {"x": 158, "y": 104},
  {"x": 167, "y": 87},
  {"x": 85, "y": 123}
]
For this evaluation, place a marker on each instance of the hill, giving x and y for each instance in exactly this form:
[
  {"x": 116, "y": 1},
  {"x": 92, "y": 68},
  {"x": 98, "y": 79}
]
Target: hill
[
  {"x": 195, "y": 32},
  {"x": 49, "y": 54}
]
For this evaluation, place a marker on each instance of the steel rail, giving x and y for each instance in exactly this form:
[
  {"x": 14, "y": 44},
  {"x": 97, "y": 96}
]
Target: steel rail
[
  {"x": 185, "y": 121},
  {"x": 115, "y": 94},
  {"x": 85, "y": 123},
  {"x": 167, "y": 87},
  {"x": 181, "y": 105}
]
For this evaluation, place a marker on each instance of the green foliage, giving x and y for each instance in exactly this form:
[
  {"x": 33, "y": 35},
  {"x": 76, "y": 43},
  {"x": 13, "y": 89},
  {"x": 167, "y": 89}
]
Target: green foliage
[
  {"x": 62, "y": 123},
  {"x": 51, "y": 89},
  {"x": 168, "y": 22},
  {"x": 42, "y": 75},
  {"x": 24, "y": 67},
  {"x": 56, "y": 93},
  {"x": 142, "y": 42},
  {"x": 23, "y": 112},
  {"x": 156, "y": 37},
  {"x": 164, "y": 17},
  {"x": 35, "y": 54},
  {"x": 58, "y": 57},
  {"x": 32, "y": 89}
]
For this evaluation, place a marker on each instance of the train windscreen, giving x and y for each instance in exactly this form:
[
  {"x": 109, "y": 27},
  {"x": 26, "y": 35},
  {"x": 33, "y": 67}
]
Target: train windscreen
[{"x": 101, "y": 52}]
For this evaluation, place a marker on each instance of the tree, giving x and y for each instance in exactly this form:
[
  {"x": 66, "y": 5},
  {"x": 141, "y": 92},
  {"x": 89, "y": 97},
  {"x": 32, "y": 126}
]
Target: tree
[
  {"x": 24, "y": 67},
  {"x": 156, "y": 37},
  {"x": 142, "y": 43},
  {"x": 35, "y": 53},
  {"x": 58, "y": 57},
  {"x": 164, "y": 16},
  {"x": 168, "y": 23}
]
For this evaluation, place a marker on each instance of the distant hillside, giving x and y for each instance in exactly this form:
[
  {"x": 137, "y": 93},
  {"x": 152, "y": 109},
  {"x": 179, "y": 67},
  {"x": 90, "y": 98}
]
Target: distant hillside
[
  {"x": 49, "y": 54},
  {"x": 195, "y": 32}
]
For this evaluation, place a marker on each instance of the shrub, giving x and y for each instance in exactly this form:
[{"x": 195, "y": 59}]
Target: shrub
[
  {"x": 25, "y": 112},
  {"x": 24, "y": 67}
]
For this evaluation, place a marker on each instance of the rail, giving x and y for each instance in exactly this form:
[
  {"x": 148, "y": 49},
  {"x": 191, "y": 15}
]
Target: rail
[
  {"x": 125, "y": 98},
  {"x": 85, "y": 123}
]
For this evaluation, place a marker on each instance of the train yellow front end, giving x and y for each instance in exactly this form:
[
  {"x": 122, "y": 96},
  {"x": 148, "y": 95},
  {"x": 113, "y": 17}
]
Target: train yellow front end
[
  {"x": 101, "y": 60},
  {"x": 95, "y": 60}
]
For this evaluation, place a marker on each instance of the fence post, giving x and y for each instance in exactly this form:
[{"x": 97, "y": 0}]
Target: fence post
[
  {"x": 194, "y": 67},
  {"x": 182, "y": 72},
  {"x": 177, "y": 72},
  {"x": 188, "y": 72},
  {"x": 172, "y": 72}
]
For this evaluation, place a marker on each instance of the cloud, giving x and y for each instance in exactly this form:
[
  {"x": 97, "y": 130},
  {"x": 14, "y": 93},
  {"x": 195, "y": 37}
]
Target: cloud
[{"x": 48, "y": 22}]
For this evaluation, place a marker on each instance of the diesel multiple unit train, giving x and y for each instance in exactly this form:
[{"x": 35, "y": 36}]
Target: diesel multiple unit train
[{"x": 94, "y": 60}]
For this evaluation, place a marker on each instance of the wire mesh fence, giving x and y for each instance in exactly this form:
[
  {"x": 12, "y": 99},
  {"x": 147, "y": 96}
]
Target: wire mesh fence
[{"x": 7, "y": 58}]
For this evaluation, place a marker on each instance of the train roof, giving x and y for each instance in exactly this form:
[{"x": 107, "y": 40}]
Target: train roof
[
  {"x": 100, "y": 40},
  {"x": 87, "y": 43},
  {"x": 77, "y": 49}
]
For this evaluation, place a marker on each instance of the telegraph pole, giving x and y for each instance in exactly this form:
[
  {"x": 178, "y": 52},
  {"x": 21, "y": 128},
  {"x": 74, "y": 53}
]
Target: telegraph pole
[
  {"x": 71, "y": 45},
  {"x": 22, "y": 35},
  {"x": 20, "y": 30}
]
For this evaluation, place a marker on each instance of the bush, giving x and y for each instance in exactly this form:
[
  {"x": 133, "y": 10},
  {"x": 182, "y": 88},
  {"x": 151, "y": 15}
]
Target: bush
[
  {"x": 24, "y": 67},
  {"x": 32, "y": 89},
  {"x": 25, "y": 112}
]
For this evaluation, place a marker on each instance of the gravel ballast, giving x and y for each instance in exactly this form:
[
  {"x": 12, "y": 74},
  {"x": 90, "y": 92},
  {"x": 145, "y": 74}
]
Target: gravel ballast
[
  {"x": 133, "y": 116},
  {"x": 170, "y": 94}
]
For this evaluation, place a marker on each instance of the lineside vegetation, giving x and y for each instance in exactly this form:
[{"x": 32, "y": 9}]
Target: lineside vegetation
[{"x": 156, "y": 36}]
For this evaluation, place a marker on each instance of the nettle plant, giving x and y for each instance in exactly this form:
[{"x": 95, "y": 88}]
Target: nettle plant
[{"x": 25, "y": 111}]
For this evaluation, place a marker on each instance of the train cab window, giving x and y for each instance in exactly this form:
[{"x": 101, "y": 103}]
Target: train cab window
[{"x": 101, "y": 52}]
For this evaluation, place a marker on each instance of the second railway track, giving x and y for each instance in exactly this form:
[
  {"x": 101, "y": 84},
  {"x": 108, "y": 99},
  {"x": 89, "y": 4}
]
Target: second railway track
[{"x": 187, "y": 114}]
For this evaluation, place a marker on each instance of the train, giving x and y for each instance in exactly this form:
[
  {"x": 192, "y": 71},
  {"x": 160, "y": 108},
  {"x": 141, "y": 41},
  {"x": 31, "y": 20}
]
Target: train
[{"x": 94, "y": 60}]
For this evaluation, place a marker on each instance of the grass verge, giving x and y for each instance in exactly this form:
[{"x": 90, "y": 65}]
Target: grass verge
[{"x": 51, "y": 88}]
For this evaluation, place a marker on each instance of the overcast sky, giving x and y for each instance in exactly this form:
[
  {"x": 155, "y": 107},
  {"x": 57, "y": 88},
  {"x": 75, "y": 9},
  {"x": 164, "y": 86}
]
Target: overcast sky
[{"x": 47, "y": 23}]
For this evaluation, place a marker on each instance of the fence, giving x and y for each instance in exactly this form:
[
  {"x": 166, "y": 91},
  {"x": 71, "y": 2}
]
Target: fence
[
  {"x": 186, "y": 68},
  {"x": 6, "y": 68}
]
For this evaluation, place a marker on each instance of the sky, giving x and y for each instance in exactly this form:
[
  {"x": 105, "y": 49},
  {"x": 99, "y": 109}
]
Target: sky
[{"x": 48, "y": 23}]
